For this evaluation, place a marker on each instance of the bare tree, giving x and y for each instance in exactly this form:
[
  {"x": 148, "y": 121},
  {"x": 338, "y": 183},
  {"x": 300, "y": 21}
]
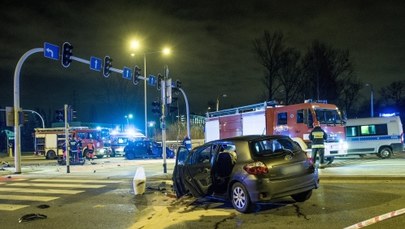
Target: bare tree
[
  {"x": 394, "y": 93},
  {"x": 326, "y": 70},
  {"x": 269, "y": 50},
  {"x": 349, "y": 95},
  {"x": 290, "y": 76}
]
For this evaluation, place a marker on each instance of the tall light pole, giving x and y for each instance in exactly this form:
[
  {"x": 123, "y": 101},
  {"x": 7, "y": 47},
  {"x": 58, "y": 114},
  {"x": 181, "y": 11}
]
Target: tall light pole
[
  {"x": 371, "y": 99},
  {"x": 135, "y": 45},
  {"x": 223, "y": 96}
]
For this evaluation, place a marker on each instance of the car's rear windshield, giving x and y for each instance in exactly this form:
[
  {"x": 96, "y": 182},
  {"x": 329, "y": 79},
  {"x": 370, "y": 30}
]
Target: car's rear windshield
[{"x": 273, "y": 146}]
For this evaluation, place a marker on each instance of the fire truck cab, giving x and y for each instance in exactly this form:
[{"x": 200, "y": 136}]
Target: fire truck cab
[{"x": 268, "y": 118}]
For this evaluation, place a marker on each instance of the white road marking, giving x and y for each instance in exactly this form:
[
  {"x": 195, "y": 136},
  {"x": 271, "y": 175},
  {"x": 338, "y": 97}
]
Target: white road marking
[
  {"x": 11, "y": 207},
  {"x": 56, "y": 185},
  {"x": 39, "y": 190},
  {"x": 78, "y": 181},
  {"x": 30, "y": 198}
]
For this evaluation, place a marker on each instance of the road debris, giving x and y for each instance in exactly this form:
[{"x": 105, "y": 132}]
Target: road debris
[{"x": 31, "y": 217}]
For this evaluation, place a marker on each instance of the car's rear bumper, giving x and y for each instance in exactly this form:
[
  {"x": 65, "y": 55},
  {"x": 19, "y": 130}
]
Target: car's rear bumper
[{"x": 266, "y": 189}]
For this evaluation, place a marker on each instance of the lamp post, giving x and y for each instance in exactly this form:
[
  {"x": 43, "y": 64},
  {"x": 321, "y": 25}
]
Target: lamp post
[
  {"x": 223, "y": 96},
  {"x": 371, "y": 99},
  {"x": 127, "y": 117},
  {"x": 165, "y": 51}
]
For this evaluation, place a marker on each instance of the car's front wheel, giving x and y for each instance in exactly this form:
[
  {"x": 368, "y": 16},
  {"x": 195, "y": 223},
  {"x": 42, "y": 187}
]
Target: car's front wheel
[
  {"x": 240, "y": 198},
  {"x": 302, "y": 196},
  {"x": 130, "y": 156}
]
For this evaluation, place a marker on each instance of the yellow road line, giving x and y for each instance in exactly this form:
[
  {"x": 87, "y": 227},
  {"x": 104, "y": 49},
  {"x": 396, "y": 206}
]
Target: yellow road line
[
  {"x": 39, "y": 190},
  {"x": 11, "y": 207},
  {"x": 56, "y": 185},
  {"x": 78, "y": 181},
  {"x": 31, "y": 198}
]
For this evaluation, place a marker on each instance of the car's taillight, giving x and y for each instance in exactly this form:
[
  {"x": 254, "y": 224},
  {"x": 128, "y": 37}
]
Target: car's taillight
[{"x": 256, "y": 168}]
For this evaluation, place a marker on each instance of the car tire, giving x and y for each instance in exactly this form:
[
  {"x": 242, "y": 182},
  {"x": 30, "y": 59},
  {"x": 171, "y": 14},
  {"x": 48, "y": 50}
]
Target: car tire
[
  {"x": 240, "y": 198},
  {"x": 130, "y": 156},
  {"x": 384, "y": 152},
  {"x": 51, "y": 155},
  {"x": 302, "y": 196}
]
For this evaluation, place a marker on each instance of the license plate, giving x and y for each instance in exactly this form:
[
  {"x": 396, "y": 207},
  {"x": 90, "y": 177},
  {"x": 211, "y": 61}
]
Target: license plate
[{"x": 292, "y": 169}]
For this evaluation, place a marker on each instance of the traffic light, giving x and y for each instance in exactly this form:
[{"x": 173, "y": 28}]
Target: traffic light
[
  {"x": 67, "y": 52},
  {"x": 137, "y": 74},
  {"x": 60, "y": 115},
  {"x": 156, "y": 108},
  {"x": 178, "y": 84},
  {"x": 160, "y": 78},
  {"x": 23, "y": 117},
  {"x": 71, "y": 114},
  {"x": 107, "y": 65}
]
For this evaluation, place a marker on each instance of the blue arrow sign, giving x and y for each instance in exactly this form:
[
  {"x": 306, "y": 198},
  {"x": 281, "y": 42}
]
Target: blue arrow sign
[
  {"x": 51, "y": 51},
  {"x": 95, "y": 63},
  {"x": 152, "y": 80},
  {"x": 126, "y": 73}
]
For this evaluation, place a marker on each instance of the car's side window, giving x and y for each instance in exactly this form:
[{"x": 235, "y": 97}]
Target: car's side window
[{"x": 202, "y": 155}]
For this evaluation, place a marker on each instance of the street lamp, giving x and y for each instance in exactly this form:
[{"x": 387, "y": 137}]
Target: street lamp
[
  {"x": 127, "y": 117},
  {"x": 371, "y": 99},
  {"x": 223, "y": 96},
  {"x": 134, "y": 45}
]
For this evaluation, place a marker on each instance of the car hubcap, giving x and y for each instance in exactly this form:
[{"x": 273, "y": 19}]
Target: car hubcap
[{"x": 239, "y": 197}]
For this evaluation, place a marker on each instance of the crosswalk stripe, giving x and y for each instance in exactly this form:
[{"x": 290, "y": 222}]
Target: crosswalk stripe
[
  {"x": 33, "y": 190},
  {"x": 56, "y": 185},
  {"x": 31, "y": 198},
  {"x": 78, "y": 181},
  {"x": 11, "y": 207}
]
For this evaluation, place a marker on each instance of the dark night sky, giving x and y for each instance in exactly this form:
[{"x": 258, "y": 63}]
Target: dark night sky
[{"x": 211, "y": 42}]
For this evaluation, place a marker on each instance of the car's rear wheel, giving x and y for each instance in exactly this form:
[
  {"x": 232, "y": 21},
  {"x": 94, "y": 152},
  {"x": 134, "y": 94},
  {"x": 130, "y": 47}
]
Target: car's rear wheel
[
  {"x": 130, "y": 156},
  {"x": 303, "y": 196},
  {"x": 384, "y": 152},
  {"x": 240, "y": 198}
]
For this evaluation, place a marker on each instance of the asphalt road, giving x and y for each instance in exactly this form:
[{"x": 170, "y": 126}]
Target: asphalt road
[{"x": 100, "y": 195}]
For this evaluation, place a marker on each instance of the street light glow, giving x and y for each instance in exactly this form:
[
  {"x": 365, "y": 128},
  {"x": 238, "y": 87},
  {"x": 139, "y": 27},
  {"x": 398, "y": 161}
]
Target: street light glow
[{"x": 166, "y": 51}]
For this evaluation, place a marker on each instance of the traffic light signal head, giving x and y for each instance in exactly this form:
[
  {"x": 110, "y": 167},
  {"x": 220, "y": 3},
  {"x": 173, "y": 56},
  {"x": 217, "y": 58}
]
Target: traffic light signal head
[
  {"x": 67, "y": 52},
  {"x": 156, "y": 108},
  {"x": 60, "y": 115},
  {"x": 137, "y": 74},
  {"x": 107, "y": 65},
  {"x": 160, "y": 78},
  {"x": 178, "y": 84},
  {"x": 71, "y": 114}
]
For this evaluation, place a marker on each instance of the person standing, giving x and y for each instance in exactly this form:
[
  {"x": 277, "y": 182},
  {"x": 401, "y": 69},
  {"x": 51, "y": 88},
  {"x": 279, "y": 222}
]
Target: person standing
[
  {"x": 187, "y": 143},
  {"x": 318, "y": 137}
]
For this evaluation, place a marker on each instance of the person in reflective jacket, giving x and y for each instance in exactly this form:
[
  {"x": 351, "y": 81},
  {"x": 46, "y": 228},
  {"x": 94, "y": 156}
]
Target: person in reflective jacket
[{"x": 318, "y": 137}]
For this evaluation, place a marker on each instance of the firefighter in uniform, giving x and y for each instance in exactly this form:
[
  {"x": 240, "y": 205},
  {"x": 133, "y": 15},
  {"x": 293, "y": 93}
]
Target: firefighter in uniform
[{"x": 318, "y": 137}]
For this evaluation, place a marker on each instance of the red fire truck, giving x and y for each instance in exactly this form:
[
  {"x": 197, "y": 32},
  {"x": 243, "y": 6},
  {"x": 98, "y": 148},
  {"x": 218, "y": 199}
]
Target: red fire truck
[
  {"x": 49, "y": 141},
  {"x": 268, "y": 118}
]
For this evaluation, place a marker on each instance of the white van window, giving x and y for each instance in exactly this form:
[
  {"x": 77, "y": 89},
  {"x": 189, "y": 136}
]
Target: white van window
[{"x": 366, "y": 130}]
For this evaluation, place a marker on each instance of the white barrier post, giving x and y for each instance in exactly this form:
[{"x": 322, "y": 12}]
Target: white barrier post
[{"x": 139, "y": 182}]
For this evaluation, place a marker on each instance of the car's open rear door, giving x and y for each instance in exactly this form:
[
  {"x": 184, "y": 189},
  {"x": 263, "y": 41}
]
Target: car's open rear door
[{"x": 178, "y": 172}]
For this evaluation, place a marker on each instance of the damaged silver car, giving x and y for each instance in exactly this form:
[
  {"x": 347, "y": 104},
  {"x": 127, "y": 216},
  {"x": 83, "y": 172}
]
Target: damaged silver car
[{"x": 246, "y": 170}]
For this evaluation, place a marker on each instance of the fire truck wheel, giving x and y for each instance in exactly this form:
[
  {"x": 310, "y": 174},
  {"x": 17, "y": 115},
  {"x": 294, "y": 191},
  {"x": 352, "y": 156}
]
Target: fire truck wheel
[{"x": 51, "y": 155}]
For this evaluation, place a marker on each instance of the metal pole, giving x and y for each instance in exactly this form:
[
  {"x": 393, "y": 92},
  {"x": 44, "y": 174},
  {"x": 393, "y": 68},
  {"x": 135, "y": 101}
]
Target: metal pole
[
  {"x": 17, "y": 133},
  {"x": 163, "y": 123},
  {"x": 146, "y": 95},
  {"x": 187, "y": 111},
  {"x": 42, "y": 119},
  {"x": 67, "y": 147},
  {"x": 372, "y": 101}
]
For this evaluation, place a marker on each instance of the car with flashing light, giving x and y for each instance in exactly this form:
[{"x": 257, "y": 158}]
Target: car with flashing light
[
  {"x": 145, "y": 148},
  {"x": 246, "y": 170}
]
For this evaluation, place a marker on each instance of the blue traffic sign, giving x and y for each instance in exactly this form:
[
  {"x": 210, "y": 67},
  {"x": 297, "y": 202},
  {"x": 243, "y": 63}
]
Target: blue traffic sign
[
  {"x": 152, "y": 80},
  {"x": 127, "y": 73},
  {"x": 51, "y": 51},
  {"x": 95, "y": 63}
]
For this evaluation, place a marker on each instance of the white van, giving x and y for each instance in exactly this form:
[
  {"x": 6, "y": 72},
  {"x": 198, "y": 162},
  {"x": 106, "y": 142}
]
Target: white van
[{"x": 381, "y": 136}]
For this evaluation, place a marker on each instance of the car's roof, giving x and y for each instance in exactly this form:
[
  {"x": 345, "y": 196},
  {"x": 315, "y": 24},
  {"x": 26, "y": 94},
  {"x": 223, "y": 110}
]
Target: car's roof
[{"x": 252, "y": 138}]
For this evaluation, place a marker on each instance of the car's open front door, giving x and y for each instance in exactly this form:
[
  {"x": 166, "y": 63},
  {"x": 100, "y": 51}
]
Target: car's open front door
[
  {"x": 197, "y": 172},
  {"x": 178, "y": 172}
]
